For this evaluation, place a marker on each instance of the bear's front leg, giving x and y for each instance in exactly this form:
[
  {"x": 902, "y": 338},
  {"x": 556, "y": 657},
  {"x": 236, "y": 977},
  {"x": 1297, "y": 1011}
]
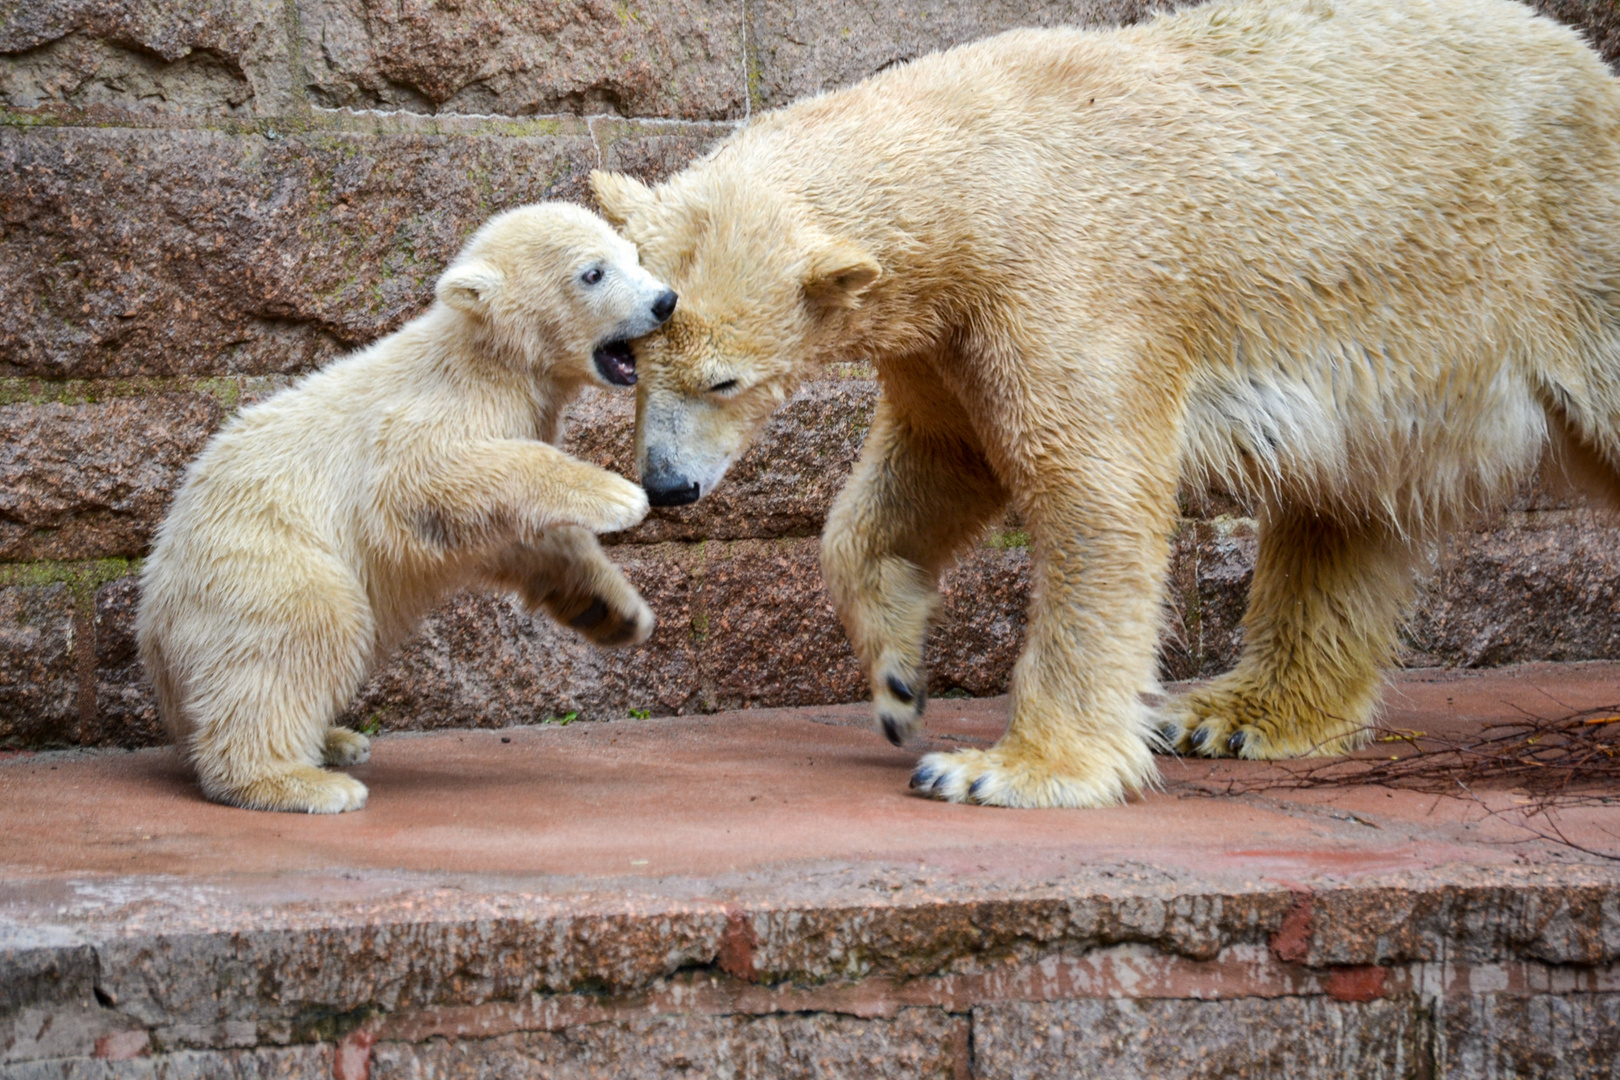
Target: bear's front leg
[
  {"x": 920, "y": 493},
  {"x": 1079, "y": 726},
  {"x": 567, "y": 574},
  {"x": 515, "y": 489}
]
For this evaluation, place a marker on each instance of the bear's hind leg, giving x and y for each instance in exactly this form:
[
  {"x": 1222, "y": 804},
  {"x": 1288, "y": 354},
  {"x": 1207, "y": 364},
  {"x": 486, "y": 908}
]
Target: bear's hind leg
[
  {"x": 302, "y": 789},
  {"x": 262, "y": 691},
  {"x": 915, "y": 499},
  {"x": 1323, "y": 613},
  {"x": 262, "y": 734}
]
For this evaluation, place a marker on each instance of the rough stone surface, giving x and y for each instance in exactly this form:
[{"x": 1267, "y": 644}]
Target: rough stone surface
[
  {"x": 1546, "y": 1037},
  {"x": 194, "y": 252},
  {"x": 270, "y": 1063},
  {"x": 1263, "y": 1039},
  {"x": 664, "y": 58},
  {"x": 653, "y": 156},
  {"x": 803, "y": 48},
  {"x": 918, "y": 1043},
  {"x": 748, "y": 624},
  {"x": 126, "y": 711},
  {"x": 212, "y": 57},
  {"x": 756, "y": 894},
  {"x": 1597, "y": 20},
  {"x": 768, "y": 631},
  {"x": 93, "y": 481},
  {"x": 482, "y": 661},
  {"x": 740, "y": 624},
  {"x": 784, "y": 483},
  {"x": 38, "y": 671},
  {"x": 1529, "y": 587},
  {"x": 1212, "y": 565},
  {"x": 980, "y": 629}
]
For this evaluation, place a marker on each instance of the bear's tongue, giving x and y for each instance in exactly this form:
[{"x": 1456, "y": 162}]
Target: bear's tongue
[{"x": 616, "y": 363}]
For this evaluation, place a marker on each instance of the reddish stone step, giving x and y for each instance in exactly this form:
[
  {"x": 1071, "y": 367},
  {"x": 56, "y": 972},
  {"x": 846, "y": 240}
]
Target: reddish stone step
[{"x": 757, "y": 892}]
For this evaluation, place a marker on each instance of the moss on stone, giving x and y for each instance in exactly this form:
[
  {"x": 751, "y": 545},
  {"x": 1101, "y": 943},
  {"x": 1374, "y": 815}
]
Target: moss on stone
[
  {"x": 82, "y": 577},
  {"x": 1003, "y": 539}
]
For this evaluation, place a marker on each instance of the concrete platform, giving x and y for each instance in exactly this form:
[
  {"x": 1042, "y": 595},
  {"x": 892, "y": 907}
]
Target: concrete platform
[{"x": 756, "y": 894}]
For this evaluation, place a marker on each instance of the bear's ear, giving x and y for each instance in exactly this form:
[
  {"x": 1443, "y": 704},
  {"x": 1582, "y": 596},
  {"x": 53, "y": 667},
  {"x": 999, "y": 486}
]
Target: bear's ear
[
  {"x": 471, "y": 287},
  {"x": 619, "y": 196},
  {"x": 839, "y": 275}
]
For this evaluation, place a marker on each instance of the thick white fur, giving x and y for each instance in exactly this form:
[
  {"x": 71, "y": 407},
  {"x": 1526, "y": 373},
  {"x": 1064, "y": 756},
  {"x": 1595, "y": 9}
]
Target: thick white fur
[
  {"x": 316, "y": 529},
  {"x": 1358, "y": 259}
]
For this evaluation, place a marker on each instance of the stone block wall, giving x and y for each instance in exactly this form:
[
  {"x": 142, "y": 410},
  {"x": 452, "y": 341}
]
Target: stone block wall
[{"x": 200, "y": 200}]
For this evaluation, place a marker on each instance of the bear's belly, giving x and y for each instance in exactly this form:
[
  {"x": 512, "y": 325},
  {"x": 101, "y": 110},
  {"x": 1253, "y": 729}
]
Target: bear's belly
[{"x": 1405, "y": 444}]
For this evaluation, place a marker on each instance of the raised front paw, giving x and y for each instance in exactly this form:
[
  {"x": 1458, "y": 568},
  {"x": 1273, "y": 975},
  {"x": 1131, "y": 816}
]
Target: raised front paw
[
  {"x": 1003, "y": 777},
  {"x": 608, "y": 624},
  {"x": 899, "y": 696},
  {"x": 604, "y": 502}
]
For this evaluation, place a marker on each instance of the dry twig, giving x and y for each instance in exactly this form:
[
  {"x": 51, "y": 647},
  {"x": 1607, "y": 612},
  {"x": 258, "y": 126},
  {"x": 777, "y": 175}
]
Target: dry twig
[{"x": 1559, "y": 762}]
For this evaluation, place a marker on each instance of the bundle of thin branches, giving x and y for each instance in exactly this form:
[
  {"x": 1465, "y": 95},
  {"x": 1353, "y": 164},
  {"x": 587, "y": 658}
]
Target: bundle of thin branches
[{"x": 1568, "y": 761}]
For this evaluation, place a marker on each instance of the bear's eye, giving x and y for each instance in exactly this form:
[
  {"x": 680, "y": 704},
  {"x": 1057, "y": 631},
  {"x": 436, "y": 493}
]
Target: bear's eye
[
  {"x": 722, "y": 387},
  {"x": 591, "y": 276}
]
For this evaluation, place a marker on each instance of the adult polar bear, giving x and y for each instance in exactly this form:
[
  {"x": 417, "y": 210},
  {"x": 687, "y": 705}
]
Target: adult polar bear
[{"x": 1359, "y": 260}]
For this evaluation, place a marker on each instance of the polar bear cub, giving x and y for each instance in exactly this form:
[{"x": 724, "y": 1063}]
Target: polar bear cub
[{"x": 317, "y": 528}]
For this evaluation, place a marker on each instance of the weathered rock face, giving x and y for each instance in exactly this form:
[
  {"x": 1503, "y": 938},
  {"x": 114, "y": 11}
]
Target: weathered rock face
[
  {"x": 652, "y": 58},
  {"x": 39, "y": 681},
  {"x": 126, "y": 711},
  {"x": 806, "y": 47},
  {"x": 93, "y": 481},
  {"x": 135, "y": 252},
  {"x": 482, "y": 661},
  {"x": 208, "y": 58},
  {"x": 200, "y": 201},
  {"x": 1283, "y": 1037},
  {"x": 1533, "y": 587},
  {"x": 915, "y": 1044}
]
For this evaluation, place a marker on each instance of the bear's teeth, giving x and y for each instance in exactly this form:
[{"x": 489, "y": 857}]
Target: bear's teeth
[{"x": 616, "y": 363}]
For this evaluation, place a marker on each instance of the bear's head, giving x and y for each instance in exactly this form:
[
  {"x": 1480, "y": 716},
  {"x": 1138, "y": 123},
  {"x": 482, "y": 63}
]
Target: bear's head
[
  {"x": 765, "y": 296},
  {"x": 555, "y": 285}
]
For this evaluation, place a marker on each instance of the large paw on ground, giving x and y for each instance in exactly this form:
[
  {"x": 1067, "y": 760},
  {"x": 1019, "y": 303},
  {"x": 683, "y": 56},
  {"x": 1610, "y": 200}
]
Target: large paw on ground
[
  {"x": 302, "y": 789},
  {"x": 345, "y": 747},
  {"x": 1223, "y": 720},
  {"x": 998, "y": 777}
]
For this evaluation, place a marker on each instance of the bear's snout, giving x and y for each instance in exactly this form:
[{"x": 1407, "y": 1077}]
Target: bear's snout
[
  {"x": 664, "y": 306},
  {"x": 674, "y": 491}
]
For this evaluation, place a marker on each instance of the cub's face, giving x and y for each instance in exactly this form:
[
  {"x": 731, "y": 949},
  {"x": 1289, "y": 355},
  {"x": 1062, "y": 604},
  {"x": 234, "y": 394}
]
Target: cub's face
[
  {"x": 563, "y": 287},
  {"x": 761, "y": 297}
]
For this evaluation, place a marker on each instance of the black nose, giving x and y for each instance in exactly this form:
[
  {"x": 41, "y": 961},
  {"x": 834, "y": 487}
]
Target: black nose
[
  {"x": 678, "y": 493},
  {"x": 664, "y": 306}
]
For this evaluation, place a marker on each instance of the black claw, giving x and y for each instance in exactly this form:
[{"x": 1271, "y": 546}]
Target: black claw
[
  {"x": 973, "y": 788},
  {"x": 1198, "y": 738},
  {"x": 899, "y": 689},
  {"x": 1237, "y": 741},
  {"x": 923, "y": 778},
  {"x": 591, "y": 617},
  {"x": 892, "y": 730},
  {"x": 1169, "y": 734}
]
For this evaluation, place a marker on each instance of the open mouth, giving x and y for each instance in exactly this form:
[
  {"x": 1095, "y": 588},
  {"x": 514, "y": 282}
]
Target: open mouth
[{"x": 616, "y": 363}]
